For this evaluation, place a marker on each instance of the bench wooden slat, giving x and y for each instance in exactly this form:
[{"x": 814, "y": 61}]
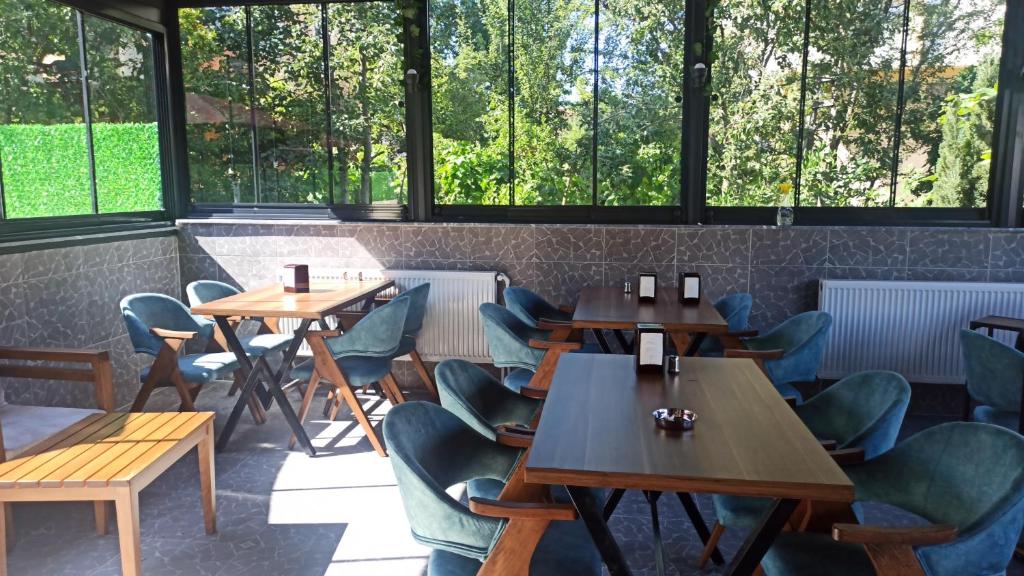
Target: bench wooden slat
[
  {"x": 169, "y": 441},
  {"x": 102, "y": 476},
  {"x": 77, "y": 478},
  {"x": 95, "y": 429}
]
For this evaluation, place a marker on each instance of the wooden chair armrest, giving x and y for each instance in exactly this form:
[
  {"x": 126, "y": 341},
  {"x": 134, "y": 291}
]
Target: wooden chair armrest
[
  {"x": 847, "y": 456},
  {"x": 172, "y": 334},
  {"x": 829, "y": 445},
  {"x": 525, "y": 510},
  {"x": 755, "y": 354},
  {"x": 914, "y": 536},
  {"x": 535, "y": 393},
  {"x": 568, "y": 309},
  {"x": 514, "y": 436},
  {"x": 549, "y": 345},
  {"x": 548, "y": 324},
  {"x": 54, "y": 354},
  {"x": 324, "y": 333}
]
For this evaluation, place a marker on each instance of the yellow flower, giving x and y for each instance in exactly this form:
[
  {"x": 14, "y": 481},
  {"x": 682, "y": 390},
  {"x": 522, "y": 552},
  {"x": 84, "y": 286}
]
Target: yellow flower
[{"x": 785, "y": 187}]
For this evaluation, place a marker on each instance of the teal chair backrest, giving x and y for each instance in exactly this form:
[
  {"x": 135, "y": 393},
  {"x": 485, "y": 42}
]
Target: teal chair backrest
[
  {"x": 508, "y": 338},
  {"x": 142, "y": 312},
  {"x": 967, "y": 474},
  {"x": 479, "y": 399},
  {"x": 995, "y": 371},
  {"x": 803, "y": 338},
  {"x": 417, "y": 296},
  {"x": 203, "y": 291},
  {"x": 862, "y": 410},
  {"x": 735, "y": 309},
  {"x": 530, "y": 307},
  {"x": 432, "y": 450},
  {"x": 377, "y": 334}
]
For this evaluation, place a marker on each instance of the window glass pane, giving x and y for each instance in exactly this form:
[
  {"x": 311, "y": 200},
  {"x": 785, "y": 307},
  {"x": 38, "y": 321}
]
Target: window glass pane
[
  {"x": 122, "y": 95},
  {"x": 640, "y": 102},
  {"x": 469, "y": 81},
  {"x": 291, "y": 127},
  {"x": 367, "y": 103},
  {"x": 214, "y": 57},
  {"x": 950, "y": 93},
  {"x": 554, "y": 91},
  {"x": 850, "y": 112},
  {"x": 755, "y": 103},
  {"x": 43, "y": 149}
]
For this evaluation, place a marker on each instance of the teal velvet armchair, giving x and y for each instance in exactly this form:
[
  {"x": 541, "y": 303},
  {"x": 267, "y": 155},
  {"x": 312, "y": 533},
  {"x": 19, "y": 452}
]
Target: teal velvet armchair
[
  {"x": 159, "y": 326},
  {"x": 531, "y": 308},
  {"x": 790, "y": 352},
  {"x": 995, "y": 378},
  {"x": 431, "y": 451},
  {"x": 267, "y": 339},
  {"x": 517, "y": 345},
  {"x": 360, "y": 357},
  {"x": 418, "y": 297},
  {"x": 863, "y": 411},
  {"x": 965, "y": 479},
  {"x": 735, "y": 310}
]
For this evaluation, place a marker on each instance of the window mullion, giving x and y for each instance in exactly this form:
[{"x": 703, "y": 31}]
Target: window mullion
[
  {"x": 595, "y": 111},
  {"x": 900, "y": 106},
  {"x": 328, "y": 112},
  {"x": 87, "y": 108},
  {"x": 803, "y": 104},
  {"x": 256, "y": 180},
  {"x": 511, "y": 50}
]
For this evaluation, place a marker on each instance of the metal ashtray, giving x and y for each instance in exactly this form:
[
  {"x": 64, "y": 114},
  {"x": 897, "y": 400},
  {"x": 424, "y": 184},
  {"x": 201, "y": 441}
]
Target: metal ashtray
[{"x": 675, "y": 419}]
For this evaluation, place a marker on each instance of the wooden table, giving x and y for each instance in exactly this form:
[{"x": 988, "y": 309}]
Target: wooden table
[
  {"x": 993, "y": 323},
  {"x": 324, "y": 299},
  {"x": 111, "y": 457},
  {"x": 597, "y": 431},
  {"x": 612, "y": 309}
]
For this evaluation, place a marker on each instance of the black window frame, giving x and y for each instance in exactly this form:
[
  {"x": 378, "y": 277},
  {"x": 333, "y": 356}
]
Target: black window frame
[
  {"x": 1003, "y": 209},
  {"x": 43, "y": 227}
]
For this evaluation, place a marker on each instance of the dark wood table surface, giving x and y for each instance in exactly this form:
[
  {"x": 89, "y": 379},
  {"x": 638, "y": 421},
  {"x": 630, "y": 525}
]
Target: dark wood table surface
[
  {"x": 612, "y": 309},
  {"x": 597, "y": 431},
  {"x": 992, "y": 323},
  {"x": 324, "y": 299}
]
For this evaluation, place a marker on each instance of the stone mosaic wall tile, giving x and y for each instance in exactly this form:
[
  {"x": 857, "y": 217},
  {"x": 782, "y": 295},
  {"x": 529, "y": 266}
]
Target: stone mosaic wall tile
[
  {"x": 11, "y": 267},
  {"x": 1006, "y": 275},
  {"x": 723, "y": 246},
  {"x": 947, "y": 275},
  {"x": 789, "y": 246},
  {"x": 1007, "y": 251},
  {"x": 569, "y": 243},
  {"x": 782, "y": 291},
  {"x": 949, "y": 249},
  {"x": 560, "y": 282},
  {"x": 640, "y": 245},
  {"x": 52, "y": 262},
  {"x": 718, "y": 281},
  {"x": 616, "y": 274},
  {"x": 380, "y": 242},
  {"x": 879, "y": 248},
  {"x": 865, "y": 273},
  {"x": 110, "y": 255}
]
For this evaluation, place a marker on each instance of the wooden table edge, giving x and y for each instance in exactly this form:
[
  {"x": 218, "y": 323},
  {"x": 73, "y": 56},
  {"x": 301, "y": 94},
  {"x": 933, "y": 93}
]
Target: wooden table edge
[
  {"x": 794, "y": 490},
  {"x": 670, "y": 327},
  {"x": 214, "y": 311}
]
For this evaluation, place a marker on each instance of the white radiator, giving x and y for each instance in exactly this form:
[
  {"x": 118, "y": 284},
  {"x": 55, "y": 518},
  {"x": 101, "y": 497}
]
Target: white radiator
[
  {"x": 909, "y": 327},
  {"x": 452, "y": 327}
]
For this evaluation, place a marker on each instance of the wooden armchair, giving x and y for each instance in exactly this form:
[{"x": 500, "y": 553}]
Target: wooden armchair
[{"x": 27, "y": 430}]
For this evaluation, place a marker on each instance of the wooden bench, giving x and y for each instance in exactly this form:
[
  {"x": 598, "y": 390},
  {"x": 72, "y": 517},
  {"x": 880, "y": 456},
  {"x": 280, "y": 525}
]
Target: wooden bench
[{"x": 111, "y": 457}]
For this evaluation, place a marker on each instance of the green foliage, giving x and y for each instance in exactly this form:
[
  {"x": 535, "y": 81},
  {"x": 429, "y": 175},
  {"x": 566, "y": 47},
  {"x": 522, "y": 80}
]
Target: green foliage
[{"x": 46, "y": 169}]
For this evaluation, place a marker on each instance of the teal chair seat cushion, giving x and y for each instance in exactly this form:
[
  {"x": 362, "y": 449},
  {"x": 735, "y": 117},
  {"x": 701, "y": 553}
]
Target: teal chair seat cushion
[
  {"x": 358, "y": 370},
  {"x": 203, "y": 368},
  {"x": 566, "y": 548},
  {"x": 484, "y": 488},
  {"x": 990, "y": 415},
  {"x": 260, "y": 344},
  {"x": 518, "y": 378},
  {"x": 810, "y": 554},
  {"x": 742, "y": 512}
]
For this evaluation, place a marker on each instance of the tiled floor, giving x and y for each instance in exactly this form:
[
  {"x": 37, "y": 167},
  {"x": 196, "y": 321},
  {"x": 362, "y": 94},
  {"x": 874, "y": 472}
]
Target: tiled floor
[{"x": 282, "y": 513}]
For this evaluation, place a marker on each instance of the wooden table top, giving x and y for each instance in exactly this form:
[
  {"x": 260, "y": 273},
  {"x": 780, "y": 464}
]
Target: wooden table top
[
  {"x": 323, "y": 299},
  {"x": 999, "y": 323},
  {"x": 597, "y": 430},
  {"x": 104, "y": 450},
  {"x": 611, "y": 308}
]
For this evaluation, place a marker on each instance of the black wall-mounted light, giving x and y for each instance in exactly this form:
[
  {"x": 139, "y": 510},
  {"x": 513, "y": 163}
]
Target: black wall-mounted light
[{"x": 700, "y": 74}]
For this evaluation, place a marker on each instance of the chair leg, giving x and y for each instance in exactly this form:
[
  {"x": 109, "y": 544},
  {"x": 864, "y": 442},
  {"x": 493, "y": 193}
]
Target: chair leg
[
  {"x": 144, "y": 392},
  {"x": 307, "y": 400},
  {"x": 716, "y": 533},
  {"x": 186, "y": 394},
  {"x": 396, "y": 392},
  {"x": 335, "y": 407},
  {"x": 421, "y": 369},
  {"x": 385, "y": 391}
]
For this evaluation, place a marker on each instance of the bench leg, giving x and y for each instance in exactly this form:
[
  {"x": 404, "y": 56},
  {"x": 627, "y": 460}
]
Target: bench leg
[
  {"x": 101, "y": 510},
  {"x": 207, "y": 482},
  {"x": 127, "y": 504},
  {"x": 3, "y": 538}
]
